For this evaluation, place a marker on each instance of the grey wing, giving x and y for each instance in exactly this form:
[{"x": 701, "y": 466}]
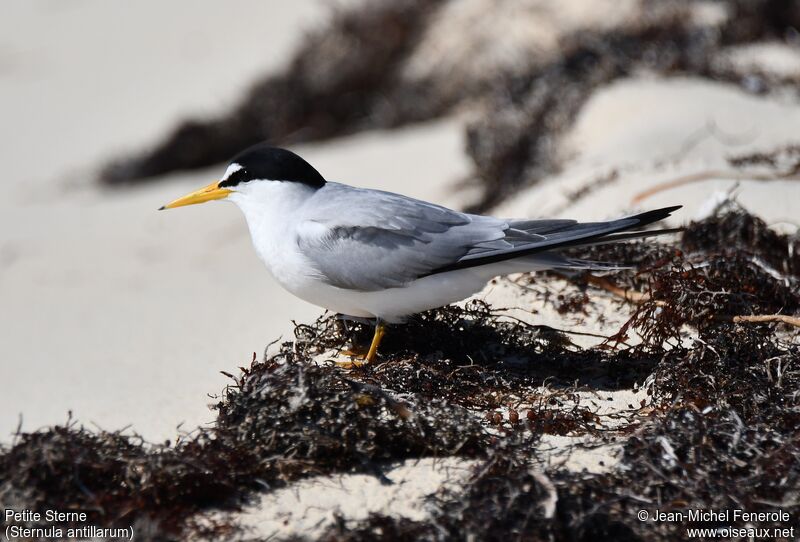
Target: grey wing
[
  {"x": 525, "y": 238},
  {"x": 371, "y": 240}
]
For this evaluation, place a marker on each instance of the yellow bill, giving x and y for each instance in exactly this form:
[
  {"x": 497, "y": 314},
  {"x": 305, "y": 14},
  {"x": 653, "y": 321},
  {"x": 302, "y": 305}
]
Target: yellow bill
[{"x": 207, "y": 193}]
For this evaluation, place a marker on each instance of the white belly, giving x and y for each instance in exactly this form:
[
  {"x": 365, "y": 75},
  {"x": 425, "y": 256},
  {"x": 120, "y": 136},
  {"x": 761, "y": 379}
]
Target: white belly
[
  {"x": 274, "y": 240},
  {"x": 391, "y": 305},
  {"x": 296, "y": 274}
]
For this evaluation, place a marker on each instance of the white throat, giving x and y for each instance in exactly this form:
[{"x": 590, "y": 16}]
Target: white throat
[{"x": 272, "y": 210}]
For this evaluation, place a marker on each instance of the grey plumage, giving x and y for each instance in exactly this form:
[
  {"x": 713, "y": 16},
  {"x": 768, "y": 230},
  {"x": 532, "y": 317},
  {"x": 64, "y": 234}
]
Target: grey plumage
[{"x": 395, "y": 239}]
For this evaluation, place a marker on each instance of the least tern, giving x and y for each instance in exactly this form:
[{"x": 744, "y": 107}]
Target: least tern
[{"x": 373, "y": 254}]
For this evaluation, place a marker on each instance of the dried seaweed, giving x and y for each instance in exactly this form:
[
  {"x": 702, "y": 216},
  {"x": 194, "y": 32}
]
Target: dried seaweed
[
  {"x": 380, "y": 527},
  {"x": 279, "y": 422},
  {"x": 686, "y": 460},
  {"x": 731, "y": 264},
  {"x": 500, "y": 484},
  {"x": 517, "y": 143},
  {"x": 316, "y": 419},
  {"x": 117, "y": 479},
  {"x": 732, "y": 230},
  {"x": 718, "y": 431}
]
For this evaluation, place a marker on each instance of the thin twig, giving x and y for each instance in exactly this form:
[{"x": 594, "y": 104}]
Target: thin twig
[
  {"x": 708, "y": 175},
  {"x": 628, "y": 295},
  {"x": 791, "y": 320}
]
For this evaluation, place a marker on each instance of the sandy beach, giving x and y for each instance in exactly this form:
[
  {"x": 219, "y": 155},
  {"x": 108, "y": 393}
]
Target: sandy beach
[
  {"x": 106, "y": 303},
  {"x": 124, "y": 317}
]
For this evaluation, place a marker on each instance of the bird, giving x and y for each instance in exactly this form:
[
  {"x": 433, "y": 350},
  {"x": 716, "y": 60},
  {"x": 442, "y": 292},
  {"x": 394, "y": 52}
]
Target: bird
[{"x": 382, "y": 256}]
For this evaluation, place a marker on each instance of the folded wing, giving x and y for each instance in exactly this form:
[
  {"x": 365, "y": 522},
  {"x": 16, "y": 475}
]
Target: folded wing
[{"x": 371, "y": 240}]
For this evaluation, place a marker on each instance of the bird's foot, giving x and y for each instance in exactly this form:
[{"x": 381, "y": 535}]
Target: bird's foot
[
  {"x": 357, "y": 354},
  {"x": 371, "y": 354},
  {"x": 356, "y": 351},
  {"x": 352, "y": 363},
  {"x": 361, "y": 357}
]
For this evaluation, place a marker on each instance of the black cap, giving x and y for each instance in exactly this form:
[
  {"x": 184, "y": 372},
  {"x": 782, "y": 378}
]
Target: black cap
[{"x": 262, "y": 162}]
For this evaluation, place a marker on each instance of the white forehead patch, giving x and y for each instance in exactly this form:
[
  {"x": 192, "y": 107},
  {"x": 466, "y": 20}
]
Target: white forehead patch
[{"x": 233, "y": 168}]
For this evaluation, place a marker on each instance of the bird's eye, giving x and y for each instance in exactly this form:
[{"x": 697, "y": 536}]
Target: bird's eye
[{"x": 237, "y": 177}]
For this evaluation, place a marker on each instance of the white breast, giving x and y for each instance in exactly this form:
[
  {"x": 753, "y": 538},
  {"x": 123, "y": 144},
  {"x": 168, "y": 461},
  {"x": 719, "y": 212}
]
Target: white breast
[
  {"x": 273, "y": 211},
  {"x": 270, "y": 209}
]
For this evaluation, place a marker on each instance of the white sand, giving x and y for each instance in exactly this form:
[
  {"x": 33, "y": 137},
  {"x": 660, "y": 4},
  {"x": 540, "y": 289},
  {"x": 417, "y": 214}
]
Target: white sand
[
  {"x": 505, "y": 35},
  {"x": 83, "y": 78},
  {"x": 309, "y": 506}
]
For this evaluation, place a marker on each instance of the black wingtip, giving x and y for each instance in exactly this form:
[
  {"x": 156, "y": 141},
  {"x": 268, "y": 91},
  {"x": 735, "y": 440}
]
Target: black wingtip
[{"x": 648, "y": 217}]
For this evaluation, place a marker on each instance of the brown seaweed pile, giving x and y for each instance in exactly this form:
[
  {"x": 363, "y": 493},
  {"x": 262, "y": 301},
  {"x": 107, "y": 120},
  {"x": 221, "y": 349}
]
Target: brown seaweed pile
[
  {"x": 344, "y": 79},
  {"x": 733, "y": 231},
  {"x": 349, "y": 76},
  {"x": 720, "y": 429},
  {"x": 731, "y": 265},
  {"x": 277, "y": 423}
]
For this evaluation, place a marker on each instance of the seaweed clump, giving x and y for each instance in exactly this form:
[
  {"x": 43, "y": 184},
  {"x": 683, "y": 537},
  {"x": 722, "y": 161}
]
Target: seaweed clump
[
  {"x": 477, "y": 358},
  {"x": 278, "y": 423},
  {"x": 314, "y": 419},
  {"x": 684, "y": 460},
  {"x": 718, "y": 431},
  {"x": 727, "y": 267},
  {"x": 724, "y": 436},
  {"x": 724, "y": 430},
  {"x": 731, "y": 230},
  {"x": 731, "y": 265},
  {"x": 119, "y": 480}
]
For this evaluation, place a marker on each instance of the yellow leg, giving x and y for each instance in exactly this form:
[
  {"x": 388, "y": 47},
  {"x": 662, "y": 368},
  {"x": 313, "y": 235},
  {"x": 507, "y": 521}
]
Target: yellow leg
[{"x": 380, "y": 331}]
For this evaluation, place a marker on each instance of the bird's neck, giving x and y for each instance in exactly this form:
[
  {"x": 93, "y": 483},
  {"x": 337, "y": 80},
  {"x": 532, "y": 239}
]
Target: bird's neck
[{"x": 271, "y": 213}]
